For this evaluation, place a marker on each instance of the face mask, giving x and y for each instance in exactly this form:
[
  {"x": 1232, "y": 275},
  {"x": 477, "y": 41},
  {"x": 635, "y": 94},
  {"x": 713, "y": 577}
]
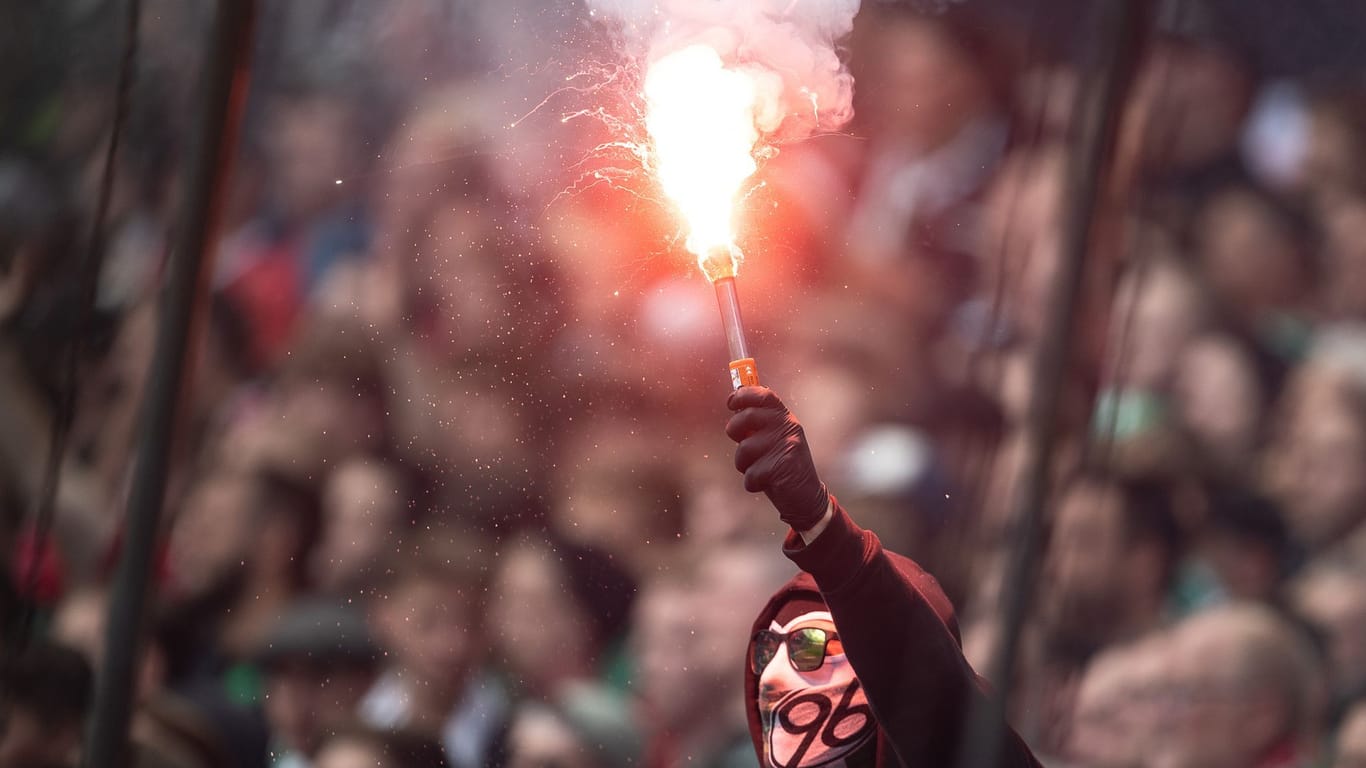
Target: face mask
[{"x": 814, "y": 718}]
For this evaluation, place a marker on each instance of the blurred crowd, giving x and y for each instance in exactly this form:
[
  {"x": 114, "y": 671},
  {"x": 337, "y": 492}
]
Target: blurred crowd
[{"x": 451, "y": 487}]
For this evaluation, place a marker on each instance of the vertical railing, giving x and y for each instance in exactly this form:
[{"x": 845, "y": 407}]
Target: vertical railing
[{"x": 184, "y": 303}]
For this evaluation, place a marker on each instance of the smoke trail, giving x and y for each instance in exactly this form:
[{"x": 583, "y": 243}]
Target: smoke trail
[{"x": 789, "y": 48}]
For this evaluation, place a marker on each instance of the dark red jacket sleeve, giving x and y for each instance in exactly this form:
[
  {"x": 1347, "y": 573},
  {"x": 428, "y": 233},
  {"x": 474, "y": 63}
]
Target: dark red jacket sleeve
[{"x": 907, "y": 657}]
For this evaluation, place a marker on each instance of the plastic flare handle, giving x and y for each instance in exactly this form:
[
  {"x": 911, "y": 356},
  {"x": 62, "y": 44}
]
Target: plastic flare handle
[{"x": 743, "y": 373}]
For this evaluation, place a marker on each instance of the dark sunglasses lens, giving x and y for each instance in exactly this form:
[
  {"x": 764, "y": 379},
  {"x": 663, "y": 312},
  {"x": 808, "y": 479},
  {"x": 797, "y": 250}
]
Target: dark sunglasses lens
[
  {"x": 765, "y": 648},
  {"x": 806, "y": 647}
]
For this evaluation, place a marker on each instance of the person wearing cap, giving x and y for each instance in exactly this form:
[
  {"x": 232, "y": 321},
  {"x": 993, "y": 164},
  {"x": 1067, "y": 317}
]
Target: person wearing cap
[
  {"x": 857, "y": 660},
  {"x": 318, "y": 660}
]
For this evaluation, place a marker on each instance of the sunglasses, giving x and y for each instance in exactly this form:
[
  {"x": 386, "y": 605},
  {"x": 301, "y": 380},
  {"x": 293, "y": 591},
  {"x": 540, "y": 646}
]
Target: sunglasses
[{"x": 806, "y": 648}]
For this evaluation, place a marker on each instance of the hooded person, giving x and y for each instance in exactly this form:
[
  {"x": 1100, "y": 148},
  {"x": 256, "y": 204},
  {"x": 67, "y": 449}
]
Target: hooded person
[{"x": 856, "y": 661}]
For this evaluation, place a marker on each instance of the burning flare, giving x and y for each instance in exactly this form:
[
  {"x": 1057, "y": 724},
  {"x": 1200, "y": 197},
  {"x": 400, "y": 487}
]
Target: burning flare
[
  {"x": 727, "y": 80},
  {"x": 701, "y": 118}
]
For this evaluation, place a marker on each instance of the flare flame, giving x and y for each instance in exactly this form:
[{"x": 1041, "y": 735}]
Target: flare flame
[{"x": 701, "y": 117}]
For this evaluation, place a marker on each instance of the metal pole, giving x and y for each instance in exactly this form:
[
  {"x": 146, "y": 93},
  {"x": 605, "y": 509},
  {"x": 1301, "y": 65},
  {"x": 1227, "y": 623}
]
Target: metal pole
[
  {"x": 1119, "y": 30},
  {"x": 206, "y": 183}
]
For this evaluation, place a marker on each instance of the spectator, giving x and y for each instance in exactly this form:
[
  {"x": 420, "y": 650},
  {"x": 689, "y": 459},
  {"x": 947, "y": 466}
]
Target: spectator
[
  {"x": 1221, "y": 402},
  {"x": 428, "y": 614},
  {"x": 618, "y": 491},
  {"x": 687, "y": 628},
  {"x": 539, "y": 736},
  {"x": 682, "y": 717},
  {"x": 241, "y": 551},
  {"x": 1247, "y": 546},
  {"x": 1246, "y": 689},
  {"x": 318, "y": 661},
  {"x": 44, "y": 696},
  {"x": 1334, "y": 162},
  {"x": 1184, "y": 117},
  {"x": 557, "y": 613},
  {"x": 1344, "y": 257},
  {"x": 365, "y": 506},
  {"x": 822, "y": 651},
  {"x": 165, "y": 726},
  {"x": 1321, "y": 434},
  {"x": 921, "y": 163},
  {"x": 1111, "y": 557},
  {"x": 1331, "y": 596},
  {"x": 312, "y": 222},
  {"x": 1118, "y": 701},
  {"x": 1254, "y": 252}
]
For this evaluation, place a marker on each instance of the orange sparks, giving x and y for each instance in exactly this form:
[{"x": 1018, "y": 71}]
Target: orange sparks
[{"x": 701, "y": 120}]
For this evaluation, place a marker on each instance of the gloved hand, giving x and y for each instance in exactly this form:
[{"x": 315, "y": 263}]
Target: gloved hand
[{"x": 774, "y": 456}]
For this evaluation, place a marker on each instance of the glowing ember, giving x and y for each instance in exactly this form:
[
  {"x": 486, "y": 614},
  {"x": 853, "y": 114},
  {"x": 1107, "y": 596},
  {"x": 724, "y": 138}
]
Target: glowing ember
[{"x": 701, "y": 119}]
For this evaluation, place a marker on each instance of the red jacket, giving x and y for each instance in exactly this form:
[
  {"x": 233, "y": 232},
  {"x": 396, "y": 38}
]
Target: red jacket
[{"x": 901, "y": 639}]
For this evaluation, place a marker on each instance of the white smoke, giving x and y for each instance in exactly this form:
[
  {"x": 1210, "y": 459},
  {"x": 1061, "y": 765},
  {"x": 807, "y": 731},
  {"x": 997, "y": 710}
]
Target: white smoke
[{"x": 788, "y": 46}]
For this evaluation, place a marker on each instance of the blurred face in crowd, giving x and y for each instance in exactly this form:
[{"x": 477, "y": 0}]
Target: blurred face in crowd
[
  {"x": 1230, "y": 702},
  {"x": 717, "y": 509},
  {"x": 1316, "y": 462},
  {"x": 362, "y": 504},
  {"x": 1211, "y": 728},
  {"x": 1220, "y": 400},
  {"x": 26, "y": 740},
  {"x": 310, "y": 148},
  {"x": 1345, "y": 258},
  {"x": 733, "y": 582},
  {"x": 1114, "y": 713},
  {"x": 1157, "y": 309},
  {"x": 1335, "y": 157},
  {"x": 1247, "y": 568},
  {"x": 599, "y": 509},
  {"x": 1086, "y": 565},
  {"x": 1333, "y": 599},
  {"x": 1021, "y": 235},
  {"x": 304, "y": 424},
  {"x": 79, "y": 623},
  {"x": 404, "y": 36},
  {"x": 836, "y": 399},
  {"x": 46, "y": 692},
  {"x": 670, "y": 658},
  {"x": 538, "y": 738},
  {"x": 461, "y": 269},
  {"x": 1250, "y": 255},
  {"x": 920, "y": 85},
  {"x": 213, "y": 532},
  {"x": 620, "y": 494},
  {"x": 431, "y": 628},
  {"x": 481, "y": 407},
  {"x": 305, "y": 699},
  {"x": 1351, "y": 741},
  {"x": 1187, "y": 108},
  {"x": 312, "y": 423},
  {"x": 539, "y": 628}
]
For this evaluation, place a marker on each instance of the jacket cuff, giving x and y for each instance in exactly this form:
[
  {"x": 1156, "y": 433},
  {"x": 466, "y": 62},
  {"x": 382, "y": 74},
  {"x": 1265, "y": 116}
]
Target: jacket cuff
[{"x": 836, "y": 555}]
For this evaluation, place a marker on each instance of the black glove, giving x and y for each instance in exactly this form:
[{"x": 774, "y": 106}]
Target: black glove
[{"x": 774, "y": 456}]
